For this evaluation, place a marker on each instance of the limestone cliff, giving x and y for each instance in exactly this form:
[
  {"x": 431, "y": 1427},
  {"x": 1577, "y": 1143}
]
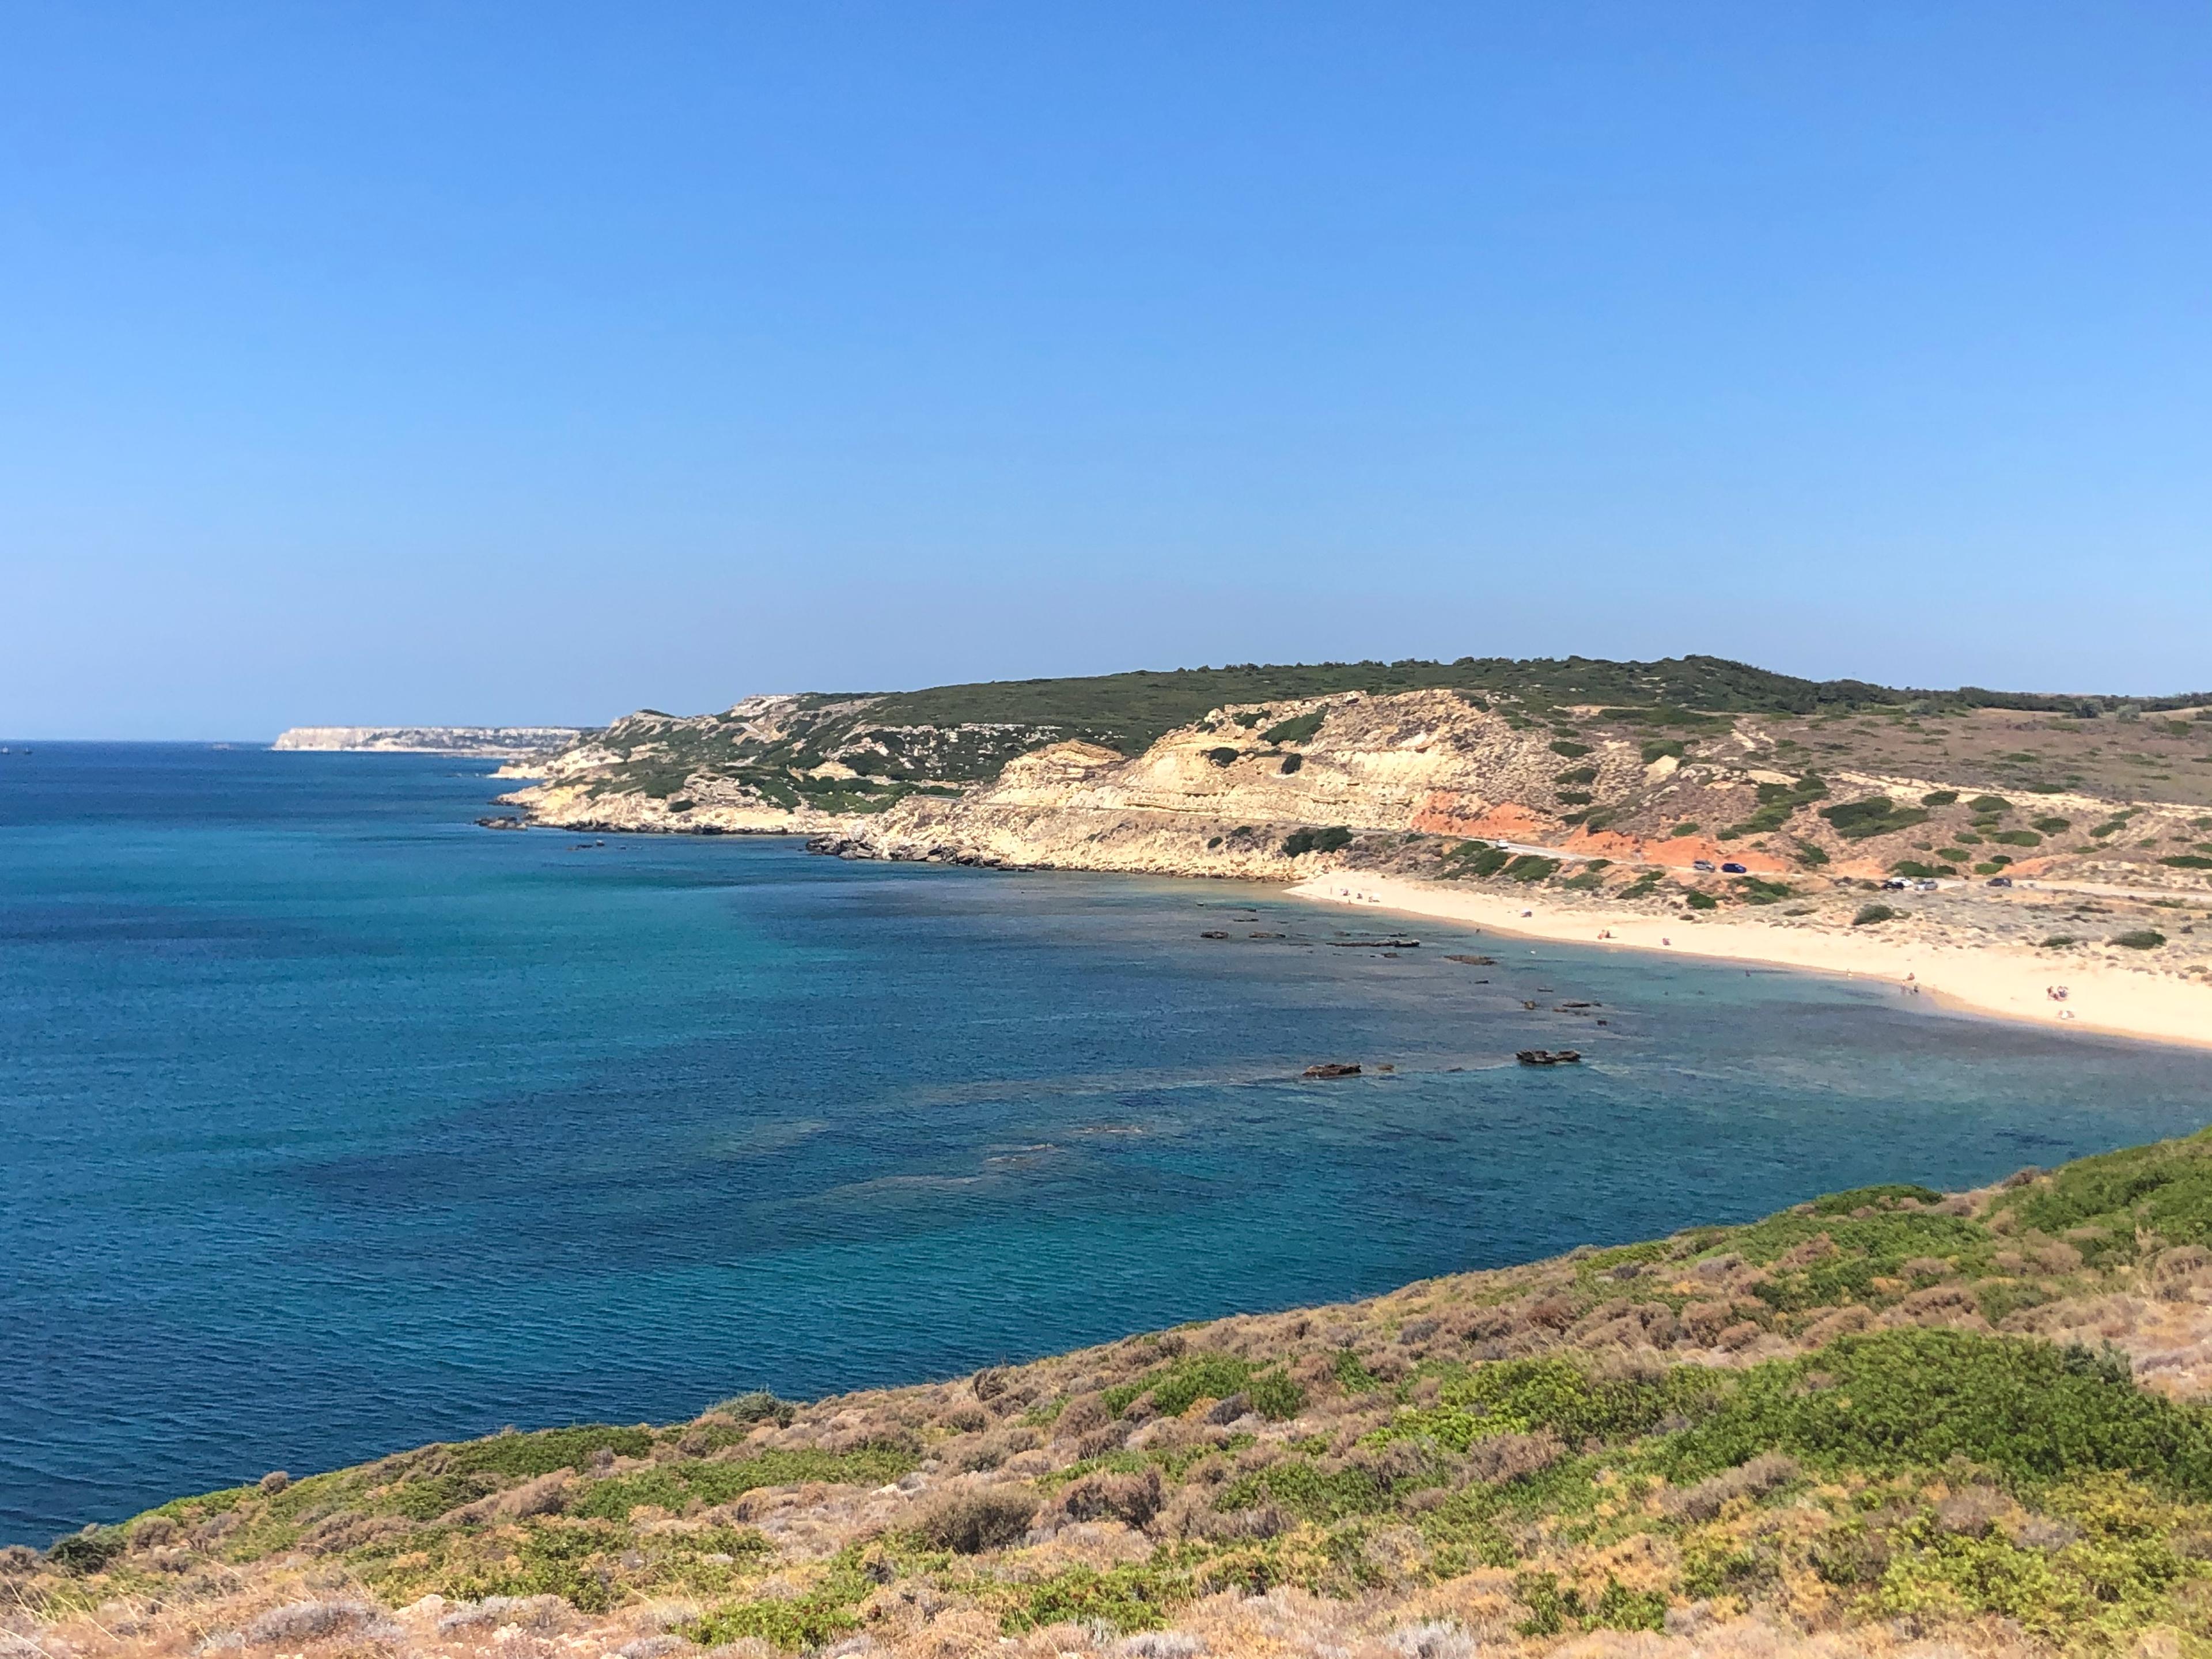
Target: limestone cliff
[{"x": 508, "y": 743}]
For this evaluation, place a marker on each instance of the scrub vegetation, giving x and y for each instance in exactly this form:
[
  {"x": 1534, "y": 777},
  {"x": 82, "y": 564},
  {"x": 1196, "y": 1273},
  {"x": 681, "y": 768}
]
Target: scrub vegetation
[{"x": 1884, "y": 1416}]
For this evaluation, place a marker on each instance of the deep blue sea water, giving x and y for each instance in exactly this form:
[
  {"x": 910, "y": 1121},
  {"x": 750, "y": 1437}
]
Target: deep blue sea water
[{"x": 331, "y": 1123}]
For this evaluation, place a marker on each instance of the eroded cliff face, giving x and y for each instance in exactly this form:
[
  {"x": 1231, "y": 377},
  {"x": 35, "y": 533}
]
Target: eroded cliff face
[
  {"x": 1420, "y": 783},
  {"x": 1229, "y": 795}
]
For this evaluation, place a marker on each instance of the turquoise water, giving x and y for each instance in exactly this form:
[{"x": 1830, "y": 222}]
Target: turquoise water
[{"x": 334, "y": 1124}]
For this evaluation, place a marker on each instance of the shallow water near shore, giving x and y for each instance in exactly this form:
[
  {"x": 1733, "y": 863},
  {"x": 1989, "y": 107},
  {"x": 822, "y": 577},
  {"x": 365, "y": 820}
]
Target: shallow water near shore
[{"x": 335, "y": 1124}]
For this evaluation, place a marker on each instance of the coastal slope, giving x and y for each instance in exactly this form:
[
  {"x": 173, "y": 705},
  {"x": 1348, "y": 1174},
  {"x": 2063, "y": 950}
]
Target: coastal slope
[{"x": 1888, "y": 1420}]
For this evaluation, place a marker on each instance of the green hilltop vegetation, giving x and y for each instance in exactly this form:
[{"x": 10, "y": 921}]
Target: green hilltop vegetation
[
  {"x": 1886, "y": 1409},
  {"x": 898, "y": 742}
]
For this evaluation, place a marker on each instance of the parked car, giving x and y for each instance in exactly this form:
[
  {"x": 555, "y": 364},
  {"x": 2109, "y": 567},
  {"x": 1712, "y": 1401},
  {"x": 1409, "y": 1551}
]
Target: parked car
[
  {"x": 1705, "y": 864},
  {"x": 1733, "y": 870},
  {"x": 2000, "y": 881},
  {"x": 1927, "y": 884},
  {"x": 1895, "y": 884}
]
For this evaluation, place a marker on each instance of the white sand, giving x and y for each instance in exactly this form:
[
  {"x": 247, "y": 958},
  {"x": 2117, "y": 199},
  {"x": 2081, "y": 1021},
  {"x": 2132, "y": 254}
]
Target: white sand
[{"x": 2010, "y": 982}]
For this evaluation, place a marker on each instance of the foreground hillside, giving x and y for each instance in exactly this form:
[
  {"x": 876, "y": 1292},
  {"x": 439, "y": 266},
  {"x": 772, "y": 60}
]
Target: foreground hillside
[{"x": 1889, "y": 1419}]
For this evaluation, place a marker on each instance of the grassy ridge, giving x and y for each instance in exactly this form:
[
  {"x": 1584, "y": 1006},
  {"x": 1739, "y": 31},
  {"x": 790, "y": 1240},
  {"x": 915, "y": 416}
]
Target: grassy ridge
[{"x": 1885, "y": 1404}]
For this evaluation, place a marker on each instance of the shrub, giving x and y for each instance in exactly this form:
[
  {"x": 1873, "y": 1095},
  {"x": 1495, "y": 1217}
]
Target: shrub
[
  {"x": 1940, "y": 797},
  {"x": 1698, "y": 901},
  {"x": 1123, "y": 1599},
  {"x": 1292, "y": 763},
  {"x": 1917, "y": 1397},
  {"x": 1917, "y": 871},
  {"x": 2054, "y": 826},
  {"x": 1207, "y": 1375},
  {"x": 1300, "y": 842},
  {"x": 1768, "y": 1472},
  {"x": 2188, "y": 861},
  {"x": 1987, "y": 804},
  {"x": 1875, "y": 814},
  {"x": 1296, "y": 731},
  {"x": 1812, "y": 854},
  {"x": 758, "y": 1406},
  {"x": 2057, "y": 941},
  {"x": 2017, "y": 838},
  {"x": 1352, "y": 1373},
  {"x": 1870, "y": 913},
  {"x": 1688, "y": 827},
  {"x": 1273, "y": 1395},
  {"x": 312, "y": 1621},
  {"x": 1577, "y": 775},
  {"x": 1553, "y": 1610},
  {"x": 1529, "y": 867},
  {"x": 1479, "y": 858},
  {"x": 1554, "y": 1396},
  {"x": 1659, "y": 747},
  {"x": 2143, "y": 938},
  {"x": 87, "y": 1550},
  {"x": 980, "y": 1518},
  {"x": 1758, "y": 892},
  {"x": 1223, "y": 756},
  {"x": 797, "y": 1624},
  {"x": 1571, "y": 749}
]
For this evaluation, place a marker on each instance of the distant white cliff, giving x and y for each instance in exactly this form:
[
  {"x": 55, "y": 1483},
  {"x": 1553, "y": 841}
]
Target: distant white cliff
[{"x": 487, "y": 742}]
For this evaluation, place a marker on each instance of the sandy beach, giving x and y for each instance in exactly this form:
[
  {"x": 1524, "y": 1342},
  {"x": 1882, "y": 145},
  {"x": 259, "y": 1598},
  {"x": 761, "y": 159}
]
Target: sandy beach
[{"x": 2011, "y": 982}]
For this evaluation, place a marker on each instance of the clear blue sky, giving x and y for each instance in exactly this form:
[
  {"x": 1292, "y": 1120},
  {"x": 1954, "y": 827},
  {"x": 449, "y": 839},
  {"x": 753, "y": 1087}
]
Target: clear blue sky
[{"x": 476, "y": 362}]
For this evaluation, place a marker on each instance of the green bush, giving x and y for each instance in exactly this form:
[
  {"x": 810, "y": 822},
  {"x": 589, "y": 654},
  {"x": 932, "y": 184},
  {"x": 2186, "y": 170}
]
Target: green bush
[
  {"x": 1698, "y": 901},
  {"x": 1478, "y": 858},
  {"x": 1313, "y": 1493},
  {"x": 1812, "y": 854},
  {"x": 1688, "y": 827},
  {"x": 1300, "y": 841},
  {"x": 1296, "y": 731},
  {"x": 1659, "y": 747},
  {"x": 2017, "y": 838},
  {"x": 1553, "y": 1610},
  {"x": 2164, "y": 1190},
  {"x": 2143, "y": 938},
  {"x": 1352, "y": 1373},
  {"x": 1292, "y": 763},
  {"x": 2188, "y": 861},
  {"x": 1917, "y": 871},
  {"x": 1987, "y": 803},
  {"x": 1556, "y": 1396},
  {"x": 1571, "y": 749},
  {"x": 1224, "y": 756},
  {"x": 1870, "y": 913},
  {"x": 1755, "y": 890},
  {"x": 90, "y": 1551},
  {"x": 1876, "y": 814},
  {"x": 1916, "y": 1398},
  {"x": 2054, "y": 826},
  {"x": 1206, "y": 1375},
  {"x": 1577, "y": 775},
  {"x": 2057, "y": 941},
  {"x": 1529, "y": 867},
  {"x": 1940, "y": 797},
  {"x": 1125, "y": 1598}
]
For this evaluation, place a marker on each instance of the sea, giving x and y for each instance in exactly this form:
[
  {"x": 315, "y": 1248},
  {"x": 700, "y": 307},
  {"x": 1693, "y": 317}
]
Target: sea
[{"x": 331, "y": 1123}]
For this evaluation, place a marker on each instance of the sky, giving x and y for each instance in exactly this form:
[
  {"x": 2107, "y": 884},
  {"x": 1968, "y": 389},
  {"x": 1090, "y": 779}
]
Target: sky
[{"x": 532, "y": 362}]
